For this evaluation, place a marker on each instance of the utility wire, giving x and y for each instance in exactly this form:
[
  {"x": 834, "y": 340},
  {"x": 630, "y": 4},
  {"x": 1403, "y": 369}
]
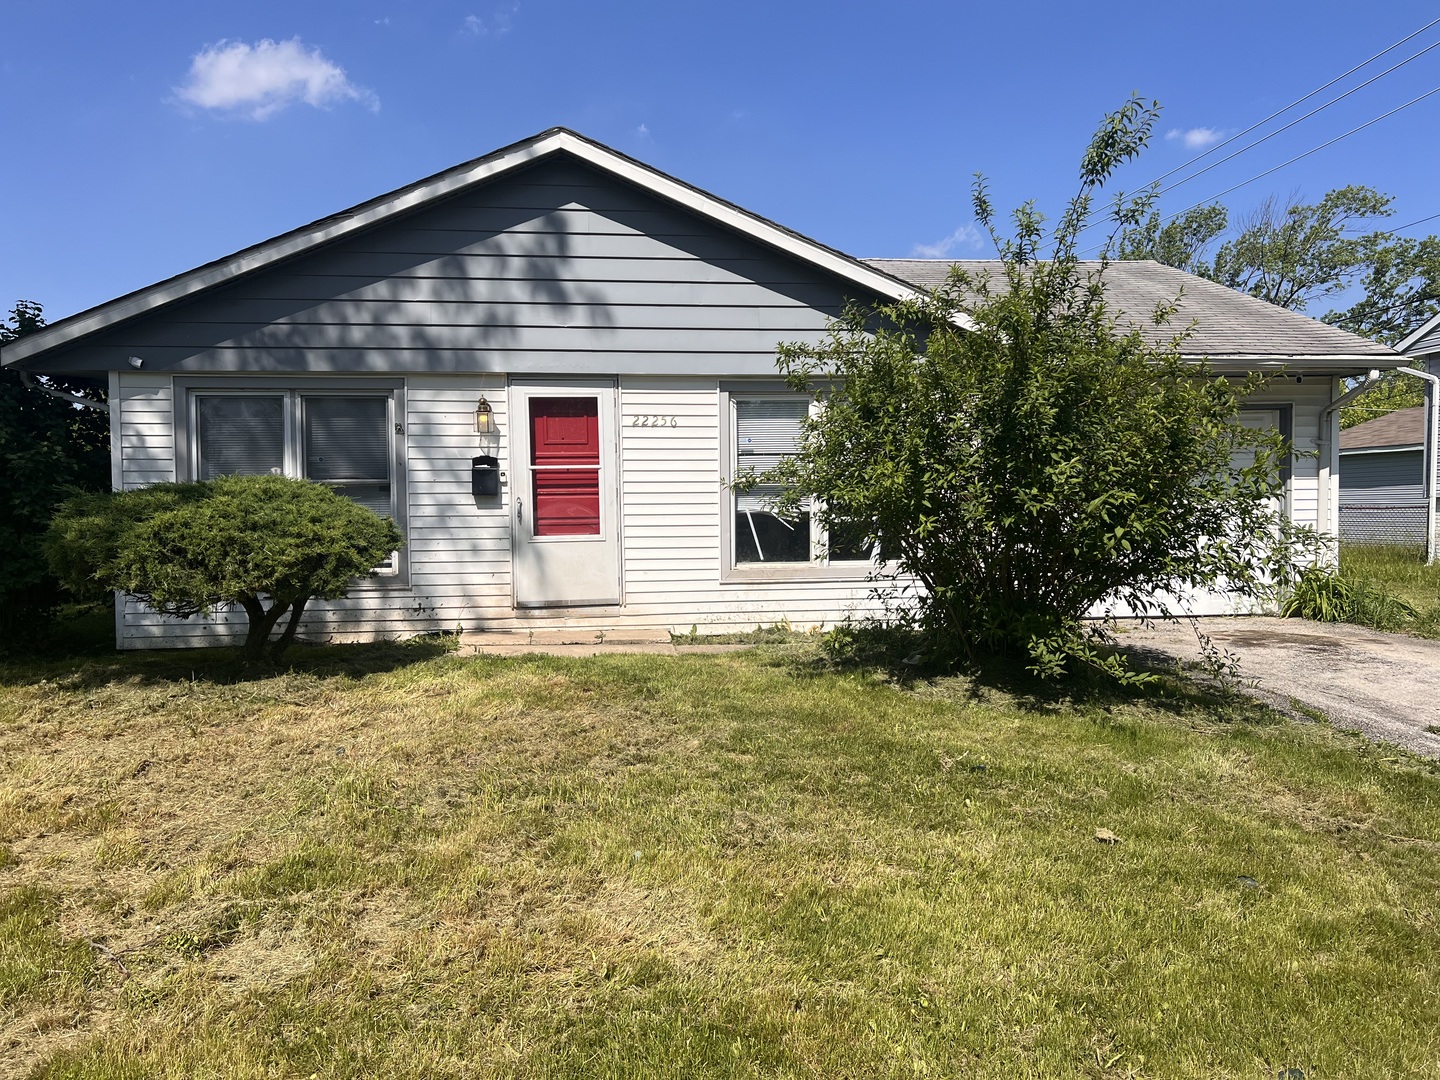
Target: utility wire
[
  {"x": 1280, "y": 112},
  {"x": 1411, "y": 224},
  {"x": 1297, "y": 157},
  {"x": 1291, "y": 124},
  {"x": 1307, "y": 153},
  {"x": 1298, "y": 101}
]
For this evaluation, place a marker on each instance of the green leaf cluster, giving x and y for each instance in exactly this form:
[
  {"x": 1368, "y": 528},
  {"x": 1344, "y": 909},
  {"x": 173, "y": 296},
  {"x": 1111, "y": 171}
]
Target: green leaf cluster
[
  {"x": 269, "y": 544},
  {"x": 1025, "y": 459},
  {"x": 49, "y": 451}
]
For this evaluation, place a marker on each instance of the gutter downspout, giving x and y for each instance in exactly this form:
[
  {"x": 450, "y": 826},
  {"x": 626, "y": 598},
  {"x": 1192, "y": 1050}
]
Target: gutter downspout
[
  {"x": 1329, "y": 426},
  {"x": 1432, "y": 447},
  {"x": 74, "y": 399}
]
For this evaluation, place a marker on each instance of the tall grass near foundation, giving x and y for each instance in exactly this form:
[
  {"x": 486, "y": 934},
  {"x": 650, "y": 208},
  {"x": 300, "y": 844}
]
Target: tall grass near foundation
[{"x": 1400, "y": 571}]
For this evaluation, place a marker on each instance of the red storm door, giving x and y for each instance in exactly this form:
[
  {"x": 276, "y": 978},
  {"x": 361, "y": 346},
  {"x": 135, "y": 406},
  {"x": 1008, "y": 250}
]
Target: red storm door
[{"x": 565, "y": 465}]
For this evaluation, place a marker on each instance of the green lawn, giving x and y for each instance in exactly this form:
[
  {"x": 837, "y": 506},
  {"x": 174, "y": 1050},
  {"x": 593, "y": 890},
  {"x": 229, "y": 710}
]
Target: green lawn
[
  {"x": 1400, "y": 571},
  {"x": 390, "y": 861}
]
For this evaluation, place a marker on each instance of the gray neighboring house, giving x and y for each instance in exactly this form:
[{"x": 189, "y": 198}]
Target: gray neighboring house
[
  {"x": 1382, "y": 479},
  {"x": 547, "y": 364}
]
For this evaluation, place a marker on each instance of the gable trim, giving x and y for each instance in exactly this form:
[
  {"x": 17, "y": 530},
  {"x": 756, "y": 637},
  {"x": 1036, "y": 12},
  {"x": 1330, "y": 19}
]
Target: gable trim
[
  {"x": 1418, "y": 334},
  {"x": 404, "y": 200}
]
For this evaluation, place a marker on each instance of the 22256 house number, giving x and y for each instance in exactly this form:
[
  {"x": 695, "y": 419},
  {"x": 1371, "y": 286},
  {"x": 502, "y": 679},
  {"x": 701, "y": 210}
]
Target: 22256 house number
[{"x": 650, "y": 420}]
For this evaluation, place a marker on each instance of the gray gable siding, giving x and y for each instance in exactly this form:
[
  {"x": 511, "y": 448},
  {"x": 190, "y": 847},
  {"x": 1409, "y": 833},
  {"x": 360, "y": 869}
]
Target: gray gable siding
[
  {"x": 1389, "y": 478},
  {"x": 1426, "y": 346},
  {"x": 554, "y": 268}
]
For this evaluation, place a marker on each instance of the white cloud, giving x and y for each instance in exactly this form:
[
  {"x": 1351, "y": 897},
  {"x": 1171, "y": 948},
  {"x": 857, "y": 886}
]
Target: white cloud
[
  {"x": 643, "y": 131},
  {"x": 263, "y": 78},
  {"x": 495, "y": 24},
  {"x": 966, "y": 236},
  {"x": 1196, "y": 138}
]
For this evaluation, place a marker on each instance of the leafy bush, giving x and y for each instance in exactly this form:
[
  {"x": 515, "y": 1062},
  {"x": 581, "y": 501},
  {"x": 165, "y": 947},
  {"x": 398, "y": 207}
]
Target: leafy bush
[
  {"x": 1026, "y": 458},
  {"x": 1327, "y": 595},
  {"x": 187, "y": 549}
]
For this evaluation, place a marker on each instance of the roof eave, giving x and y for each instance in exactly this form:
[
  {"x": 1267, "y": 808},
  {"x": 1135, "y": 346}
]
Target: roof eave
[
  {"x": 1329, "y": 363},
  {"x": 1384, "y": 449}
]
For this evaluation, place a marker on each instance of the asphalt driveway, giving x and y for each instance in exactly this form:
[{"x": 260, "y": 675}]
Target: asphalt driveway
[{"x": 1384, "y": 685}]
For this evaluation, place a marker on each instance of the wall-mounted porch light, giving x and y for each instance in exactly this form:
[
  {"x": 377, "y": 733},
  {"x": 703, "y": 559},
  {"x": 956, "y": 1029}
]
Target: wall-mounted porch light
[{"x": 484, "y": 417}]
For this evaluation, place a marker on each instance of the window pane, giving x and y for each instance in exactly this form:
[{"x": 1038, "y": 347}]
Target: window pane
[
  {"x": 372, "y": 496},
  {"x": 760, "y": 536},
  {"x": 767, "y": 430},
  {"x": 240, "y": 434},
  {"x": 848, "y": 543},
  {"x": 346, "y": 439}
]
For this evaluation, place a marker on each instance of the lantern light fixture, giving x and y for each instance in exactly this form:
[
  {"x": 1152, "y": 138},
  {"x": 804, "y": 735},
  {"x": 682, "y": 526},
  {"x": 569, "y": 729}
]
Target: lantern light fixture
[{"x": 484, "y": 417}]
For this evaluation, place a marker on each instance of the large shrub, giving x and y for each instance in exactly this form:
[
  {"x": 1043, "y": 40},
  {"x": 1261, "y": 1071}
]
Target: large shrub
[
  {"x": 266, "y": 543},
  {"x": 1025, "y": 457}
]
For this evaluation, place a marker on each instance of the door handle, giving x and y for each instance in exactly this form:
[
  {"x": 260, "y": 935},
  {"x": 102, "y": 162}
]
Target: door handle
[{"x": 519, "y": 509}]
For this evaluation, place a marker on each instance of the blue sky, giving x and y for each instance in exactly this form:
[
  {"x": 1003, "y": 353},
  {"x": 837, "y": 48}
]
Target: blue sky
[{"x": 144, "y": 139}]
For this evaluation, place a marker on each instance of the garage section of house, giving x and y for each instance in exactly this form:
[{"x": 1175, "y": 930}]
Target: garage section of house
[{"x": 547, "y": 364}]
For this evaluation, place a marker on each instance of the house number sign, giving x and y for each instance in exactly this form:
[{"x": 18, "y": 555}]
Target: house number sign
[{"x": 650, "y": 420}]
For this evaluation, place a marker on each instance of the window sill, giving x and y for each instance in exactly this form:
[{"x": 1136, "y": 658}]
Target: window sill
[{"x": 749, "y": 573}]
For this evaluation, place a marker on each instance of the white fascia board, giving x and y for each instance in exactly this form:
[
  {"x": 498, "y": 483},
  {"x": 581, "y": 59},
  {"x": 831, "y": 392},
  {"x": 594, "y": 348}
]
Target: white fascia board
[
  {"x": 330, "y": 229},
  {"x": 1330, "y": 365},
  {"x": 1381, "y": 449},
  {"x": 1418, "y": 333}
]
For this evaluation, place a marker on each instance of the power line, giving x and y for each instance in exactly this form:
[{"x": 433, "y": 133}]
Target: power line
[
  {"x": 1417, "y": 221},
  {"x": 1280, "y": 112},
  {"x": 1307, "y": 153},
  {"x": 1292, "y": 123},
  {"x": 1297, "y": 101}
]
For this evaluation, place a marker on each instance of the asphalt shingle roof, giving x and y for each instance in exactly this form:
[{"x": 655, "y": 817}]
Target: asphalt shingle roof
[
  {"x": 1228, "y": 324},
  {"x": 1403, "y": 427}
]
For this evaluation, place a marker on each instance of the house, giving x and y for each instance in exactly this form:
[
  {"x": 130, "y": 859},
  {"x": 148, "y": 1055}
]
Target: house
[
  {"x": 613, "y": 330},
  {"x": 1382, "y": 479}
]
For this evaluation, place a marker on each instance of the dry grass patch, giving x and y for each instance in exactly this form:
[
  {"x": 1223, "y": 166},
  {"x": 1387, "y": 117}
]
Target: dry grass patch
[{"x": 390, "y": 862}]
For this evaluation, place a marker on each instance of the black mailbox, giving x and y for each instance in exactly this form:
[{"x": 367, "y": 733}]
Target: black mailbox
[{"x": 484, "y": 477}]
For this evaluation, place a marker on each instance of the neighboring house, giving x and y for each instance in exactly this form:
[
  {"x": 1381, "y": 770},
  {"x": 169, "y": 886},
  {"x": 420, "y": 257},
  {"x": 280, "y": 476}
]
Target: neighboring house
[
  {"x": 1382, "y": 479},
  {"x": 621, "y": 327}
]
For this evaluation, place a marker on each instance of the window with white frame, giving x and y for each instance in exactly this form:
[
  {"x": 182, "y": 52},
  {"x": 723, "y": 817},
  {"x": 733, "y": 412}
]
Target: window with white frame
[
  {"x": 341, "y": 439},
  {"x": 764, "y": 430}
]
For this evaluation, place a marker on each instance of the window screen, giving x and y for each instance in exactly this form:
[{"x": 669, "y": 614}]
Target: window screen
[{"x": 240, "y": 434}]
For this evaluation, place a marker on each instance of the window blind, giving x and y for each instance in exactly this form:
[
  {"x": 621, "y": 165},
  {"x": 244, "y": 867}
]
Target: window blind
[
  {"x": 241, "y": 434},
  {"x": 766, "y": 432}
]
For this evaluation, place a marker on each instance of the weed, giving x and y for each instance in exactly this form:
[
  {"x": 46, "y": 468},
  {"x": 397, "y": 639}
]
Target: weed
[{"x": 1328, "y": 595}]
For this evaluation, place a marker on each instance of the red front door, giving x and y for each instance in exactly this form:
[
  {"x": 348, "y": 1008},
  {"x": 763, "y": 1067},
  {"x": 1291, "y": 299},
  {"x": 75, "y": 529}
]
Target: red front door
[
  {"x": 565, "y": 465},
  {"x": 566, "y": 537}
]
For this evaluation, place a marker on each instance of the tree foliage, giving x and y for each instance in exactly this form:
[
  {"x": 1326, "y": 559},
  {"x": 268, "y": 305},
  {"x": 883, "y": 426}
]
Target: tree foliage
[
  {"x": 1026, "y": 458},
  {"x": 49, "y": 451},
  {"x": 1294, "y": 254},
  {"x": 1182, "y": 243},
  {"x": 268, "y": 544}
]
